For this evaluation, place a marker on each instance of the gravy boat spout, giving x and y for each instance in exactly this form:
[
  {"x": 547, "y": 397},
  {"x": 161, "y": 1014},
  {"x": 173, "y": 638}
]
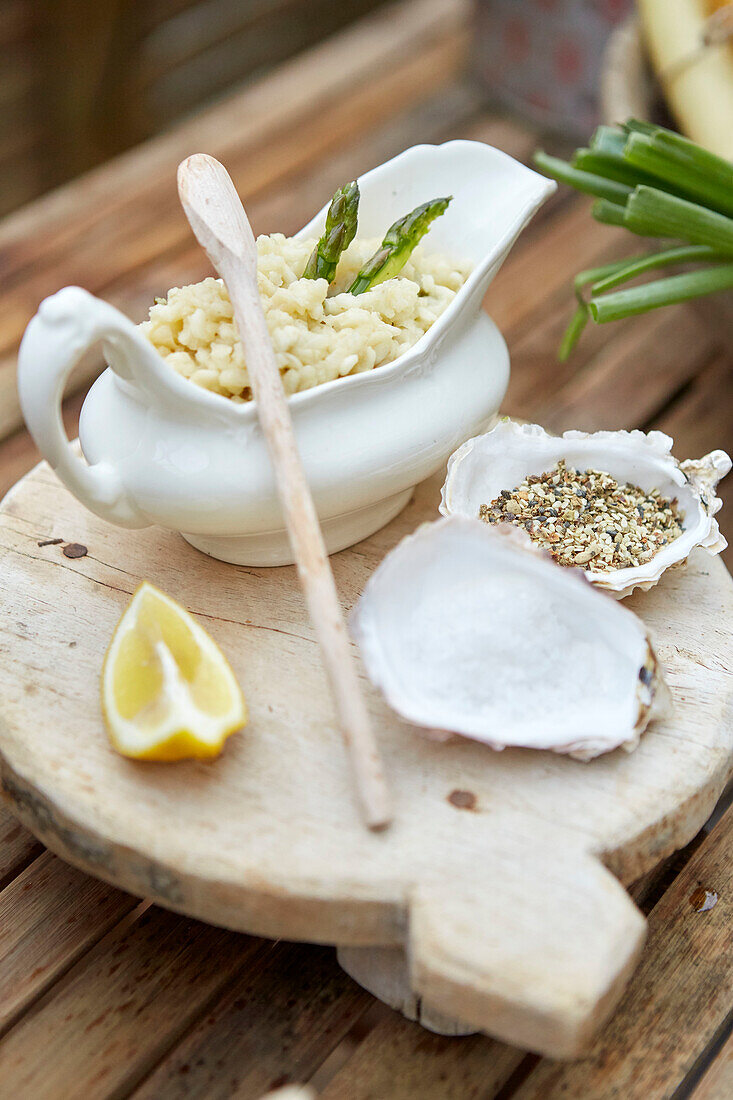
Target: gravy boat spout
[
  {"x": 162, "y": 450},
  {"x": 494, "y": 197}
]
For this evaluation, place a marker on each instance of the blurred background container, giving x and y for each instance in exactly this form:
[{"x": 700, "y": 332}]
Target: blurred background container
[{"x": 543, "y": 58}]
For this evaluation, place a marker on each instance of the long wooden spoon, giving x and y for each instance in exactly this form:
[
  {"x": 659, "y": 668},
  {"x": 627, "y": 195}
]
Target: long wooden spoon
[{"x": 220, "y": 224}]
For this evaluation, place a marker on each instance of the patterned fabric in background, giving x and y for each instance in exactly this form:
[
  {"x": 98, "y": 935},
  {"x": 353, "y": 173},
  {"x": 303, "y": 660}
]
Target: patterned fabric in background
[{"x": 543, "y": 58}]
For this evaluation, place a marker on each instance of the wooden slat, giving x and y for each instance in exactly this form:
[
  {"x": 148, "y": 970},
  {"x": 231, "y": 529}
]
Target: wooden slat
[
  {"x": 18, "y": 22},
  {"x": 278, "y": 1021},
  {"x": 537, "y": 376},
  {"x": 680, "y": 995},
  {"x": 402, "y": 1061},
  {"x": 717, "y": 1083},
  {"x": 511, "y": 135},
  {"x": 22, "y": 184},
  {"x": 634, "y": 375},
  {"x": 287, "y": 206},
  {"x": 120, "y": 1008},
  {"x": 702, "y": 419},
  {"x": 18, "y": 453},
  {"x": 647, "y": 890},
  {"x": 17, "y": 78},
  {"x": 17, "y": 846},
  {"x": 566, "y": 243},
  {"x": 49, "y": 916},
  {"x": 180, "y": 37},
  {"x": 187, "y": 61}
]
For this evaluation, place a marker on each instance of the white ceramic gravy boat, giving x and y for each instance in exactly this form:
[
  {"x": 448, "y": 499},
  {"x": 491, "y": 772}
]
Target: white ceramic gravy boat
[{"x": 161, "y": 450}]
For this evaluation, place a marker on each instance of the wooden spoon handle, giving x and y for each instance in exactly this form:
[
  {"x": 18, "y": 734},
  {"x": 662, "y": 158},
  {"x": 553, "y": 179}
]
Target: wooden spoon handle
[
  {"x": 220, "y": 223},
  {"x": 307, "y": 543}
]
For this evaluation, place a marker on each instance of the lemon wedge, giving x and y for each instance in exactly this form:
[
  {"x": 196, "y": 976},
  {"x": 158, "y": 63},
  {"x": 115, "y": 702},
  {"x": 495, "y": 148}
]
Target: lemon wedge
[{"x": 168, "y": 692}]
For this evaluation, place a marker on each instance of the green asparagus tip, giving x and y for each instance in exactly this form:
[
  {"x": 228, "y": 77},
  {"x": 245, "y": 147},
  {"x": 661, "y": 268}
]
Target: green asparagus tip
[
  {"x": 399, "y": 242},
  {"x": 339, "y": 232}
]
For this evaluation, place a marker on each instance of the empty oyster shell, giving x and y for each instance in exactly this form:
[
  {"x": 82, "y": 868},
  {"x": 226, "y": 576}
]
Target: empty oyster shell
[
  {"x": 501, "y": 459},
  {"x": 470, "y": 629}
]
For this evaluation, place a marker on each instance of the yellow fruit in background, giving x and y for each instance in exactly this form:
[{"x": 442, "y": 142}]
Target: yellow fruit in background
[
  {"x": 168, "y": 692},
  {"x": 693, "y": 60}
]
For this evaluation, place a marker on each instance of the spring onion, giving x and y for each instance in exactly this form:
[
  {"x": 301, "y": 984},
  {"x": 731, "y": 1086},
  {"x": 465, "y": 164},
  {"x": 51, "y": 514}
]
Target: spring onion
[
  {"x": 676, "y": 288},
  {"x": 654, "y": 183}
]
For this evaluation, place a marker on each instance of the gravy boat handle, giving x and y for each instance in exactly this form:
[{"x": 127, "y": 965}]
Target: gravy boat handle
[{"x": 66, "y": 325}]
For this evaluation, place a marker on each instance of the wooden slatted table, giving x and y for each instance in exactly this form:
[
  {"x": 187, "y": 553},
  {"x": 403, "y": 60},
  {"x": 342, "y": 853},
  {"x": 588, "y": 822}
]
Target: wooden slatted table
[{"x": 103, "y": 996}]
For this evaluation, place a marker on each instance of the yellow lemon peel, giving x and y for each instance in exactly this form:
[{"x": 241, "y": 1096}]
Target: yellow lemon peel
[{"x": 168, "y": 692}]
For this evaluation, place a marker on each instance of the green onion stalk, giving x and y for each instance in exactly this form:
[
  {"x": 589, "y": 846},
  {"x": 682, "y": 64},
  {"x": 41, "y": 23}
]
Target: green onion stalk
[{"x": 658, "y": 184}]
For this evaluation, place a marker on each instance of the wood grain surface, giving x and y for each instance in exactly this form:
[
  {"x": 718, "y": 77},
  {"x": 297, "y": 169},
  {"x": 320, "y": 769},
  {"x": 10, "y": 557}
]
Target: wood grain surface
[
  {"x": 286, "y": 1012},
  {"x": 267, "y": 839}
]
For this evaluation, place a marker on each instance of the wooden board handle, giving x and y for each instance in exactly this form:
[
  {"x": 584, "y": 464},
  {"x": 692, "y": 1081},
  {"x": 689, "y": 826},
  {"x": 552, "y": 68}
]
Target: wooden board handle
[{"x": 536, "y": 953}]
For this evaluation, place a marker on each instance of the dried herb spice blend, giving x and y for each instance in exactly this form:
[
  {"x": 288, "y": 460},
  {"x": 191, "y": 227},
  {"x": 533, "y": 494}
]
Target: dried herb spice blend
[{"x": 586, "y": 518}]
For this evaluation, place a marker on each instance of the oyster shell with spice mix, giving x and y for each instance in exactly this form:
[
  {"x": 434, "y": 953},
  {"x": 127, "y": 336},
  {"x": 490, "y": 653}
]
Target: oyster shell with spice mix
[{"x": 502, "y": 458}]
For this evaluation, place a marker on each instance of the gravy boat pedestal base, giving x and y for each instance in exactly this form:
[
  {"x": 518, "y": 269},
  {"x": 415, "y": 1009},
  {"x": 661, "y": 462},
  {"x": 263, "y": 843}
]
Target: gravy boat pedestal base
[{"x": 273, "y": 547}]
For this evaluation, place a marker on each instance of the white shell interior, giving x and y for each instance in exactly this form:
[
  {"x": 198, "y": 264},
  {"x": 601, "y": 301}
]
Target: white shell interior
[
  {"x": 502, "y": 458},
  {"x": 464, "y": 631}
]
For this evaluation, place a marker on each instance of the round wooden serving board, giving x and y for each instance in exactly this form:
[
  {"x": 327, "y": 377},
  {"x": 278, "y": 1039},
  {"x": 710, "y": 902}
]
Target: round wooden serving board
[{"x": 505, "y": 895}]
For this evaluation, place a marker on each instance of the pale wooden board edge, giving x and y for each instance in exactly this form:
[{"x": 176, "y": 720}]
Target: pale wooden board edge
[{"x": 359, "y": 922}]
